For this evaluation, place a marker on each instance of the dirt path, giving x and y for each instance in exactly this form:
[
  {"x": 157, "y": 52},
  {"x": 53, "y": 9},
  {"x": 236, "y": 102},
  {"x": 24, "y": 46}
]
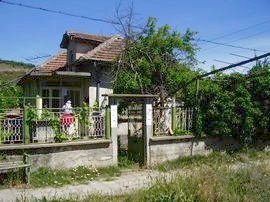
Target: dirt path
[{"x": 125, "y": 183}]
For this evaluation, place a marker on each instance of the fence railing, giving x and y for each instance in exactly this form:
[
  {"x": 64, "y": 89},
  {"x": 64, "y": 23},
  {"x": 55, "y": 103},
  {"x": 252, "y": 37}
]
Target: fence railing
[
  {"x": 172, "y": 121},
  {"x": 50, "y": 124},
  {"x": 11, "y": 126},
  {"x": 184, "y": 119}
]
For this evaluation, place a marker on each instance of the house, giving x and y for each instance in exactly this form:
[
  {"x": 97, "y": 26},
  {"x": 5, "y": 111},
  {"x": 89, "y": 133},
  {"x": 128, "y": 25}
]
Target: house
[{"x": 80, "y": 72}]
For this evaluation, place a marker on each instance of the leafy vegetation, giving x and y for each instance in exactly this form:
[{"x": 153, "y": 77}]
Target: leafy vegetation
[
  {"x": 153, "y": 61},
  {"x": 234, "y": 105},
  {"x": 159, "y": 61},
  {"x": 180, "y": 132},
  {"x": 9, "y": 71}
]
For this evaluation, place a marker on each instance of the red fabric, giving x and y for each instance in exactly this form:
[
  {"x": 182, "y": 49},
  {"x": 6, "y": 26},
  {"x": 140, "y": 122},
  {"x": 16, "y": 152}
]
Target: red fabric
[{"x": 67, "y": 119}]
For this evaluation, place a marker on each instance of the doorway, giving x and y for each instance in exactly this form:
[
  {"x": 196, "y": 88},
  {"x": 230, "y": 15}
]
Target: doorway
[{"x": 56, "y": 97}]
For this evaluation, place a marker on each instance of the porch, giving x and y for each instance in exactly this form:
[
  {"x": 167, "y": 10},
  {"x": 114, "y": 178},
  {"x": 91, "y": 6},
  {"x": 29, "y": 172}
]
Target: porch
[{"x": 59, "y": 87}]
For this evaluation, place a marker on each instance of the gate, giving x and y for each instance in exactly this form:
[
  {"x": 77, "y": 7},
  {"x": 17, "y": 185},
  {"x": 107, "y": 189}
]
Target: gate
[
  {"x": 135, "y": 133},
  {"x": 130, "y": 133}
]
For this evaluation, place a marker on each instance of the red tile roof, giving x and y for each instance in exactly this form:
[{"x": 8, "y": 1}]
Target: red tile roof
[
  {"x": 106, "y": 51},
  {"x": 57, "y": 62}
]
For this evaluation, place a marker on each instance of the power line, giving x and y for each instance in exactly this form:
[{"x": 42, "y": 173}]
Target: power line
[
  {"x": 229, "y": 63},
  {"x": 220, "y": 70},
  {"x": 241, "y": 56},
  {"x": 232, "y": 46},
  {"x": 240, "y": 30},
  {"x": 59, "y": 12},
  {"x": 37, "y": 57},
  {"x": 249, "y": 36}
]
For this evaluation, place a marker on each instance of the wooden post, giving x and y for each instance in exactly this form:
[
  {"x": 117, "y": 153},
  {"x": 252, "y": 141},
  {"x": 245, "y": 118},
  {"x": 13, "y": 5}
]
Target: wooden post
[
  {"x": 26, "y": 131},
  {"x": 197, "y": 107}
]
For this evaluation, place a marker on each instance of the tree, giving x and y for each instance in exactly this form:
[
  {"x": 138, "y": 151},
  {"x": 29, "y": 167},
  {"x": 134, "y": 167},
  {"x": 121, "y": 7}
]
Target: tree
[{"x": 156, "y": 61}]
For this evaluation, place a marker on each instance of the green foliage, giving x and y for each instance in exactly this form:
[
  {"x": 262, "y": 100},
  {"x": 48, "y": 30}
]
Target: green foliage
[
  {"x": 10, "y": 89},
  {"x": 6, "y": 92},
  {"x": 180, "y": 132},
  {"x": 125, "y": 161},
  {"x": 60, "y": 137},
  {"x": 234, "y": 105},
  {"x": 156, "y": 61},
  {"x": 82, "y": 113}
]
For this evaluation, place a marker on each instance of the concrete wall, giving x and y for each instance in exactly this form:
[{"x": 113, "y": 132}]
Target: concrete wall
[
  {"x": 97, "y": 153},
  {"x": 79, "y": 48},
  {"x": 172, "y": 147}
]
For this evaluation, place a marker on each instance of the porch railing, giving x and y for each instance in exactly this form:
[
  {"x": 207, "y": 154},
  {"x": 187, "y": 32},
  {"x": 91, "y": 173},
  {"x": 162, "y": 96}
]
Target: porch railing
[
  {"x": 11, "y": 126},
  {"x": 50, "y": 125}
]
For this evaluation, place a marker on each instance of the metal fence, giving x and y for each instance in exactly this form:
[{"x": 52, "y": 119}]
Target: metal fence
[
  {"x": 163, "y": 118},
  {"x": 50, "y": 124},
  {"x": 11, "y": 126},
  {"x": 184, "y": 118}
]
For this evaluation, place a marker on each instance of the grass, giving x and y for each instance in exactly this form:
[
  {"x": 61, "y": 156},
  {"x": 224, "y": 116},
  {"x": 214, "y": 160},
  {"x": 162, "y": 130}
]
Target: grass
[
  {"x": 126, "y": 162},
  {"x": 205, "y": 184},
  {"x": 49, "y": 177},
  {"x": 11, "y": 179},
  {"x": 59, "y": 177},
  {"x": 55, "y": 178},
  {"x": 213, "y": 159}
]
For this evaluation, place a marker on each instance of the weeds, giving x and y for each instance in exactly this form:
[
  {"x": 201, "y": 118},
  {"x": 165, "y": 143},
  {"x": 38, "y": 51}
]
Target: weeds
[
  {"x": 49, "y": 177},
  {"x": 205, "y": 184},
  {"x": 213, "y": 159}
]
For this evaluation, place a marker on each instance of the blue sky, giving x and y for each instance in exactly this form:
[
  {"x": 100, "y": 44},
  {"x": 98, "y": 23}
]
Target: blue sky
[{"x": 26, "y": 33}]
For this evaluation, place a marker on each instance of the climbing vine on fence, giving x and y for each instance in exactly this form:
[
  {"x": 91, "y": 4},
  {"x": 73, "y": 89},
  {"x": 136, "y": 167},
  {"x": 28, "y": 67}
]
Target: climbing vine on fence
[{"x": 235, "y": 105}]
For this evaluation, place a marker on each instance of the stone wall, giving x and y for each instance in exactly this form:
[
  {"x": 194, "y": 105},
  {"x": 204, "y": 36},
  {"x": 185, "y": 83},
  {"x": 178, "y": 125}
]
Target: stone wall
[
  {"x": 97, "y": 153},
  {"x": 166, "y": 148}
]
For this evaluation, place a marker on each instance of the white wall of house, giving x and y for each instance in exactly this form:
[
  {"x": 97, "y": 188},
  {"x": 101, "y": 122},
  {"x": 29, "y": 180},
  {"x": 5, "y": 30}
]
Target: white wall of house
[{"x": 93, "y": 94}]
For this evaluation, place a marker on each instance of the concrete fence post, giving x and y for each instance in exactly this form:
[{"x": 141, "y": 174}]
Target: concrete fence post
[
  {"x": 148, "y": 129},
  {"x": 114, "y": 125}
]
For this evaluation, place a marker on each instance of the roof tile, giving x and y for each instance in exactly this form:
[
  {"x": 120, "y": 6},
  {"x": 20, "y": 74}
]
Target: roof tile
[
  {"x": 55, "y": 63},
  {"x": 107, "y": 51}
]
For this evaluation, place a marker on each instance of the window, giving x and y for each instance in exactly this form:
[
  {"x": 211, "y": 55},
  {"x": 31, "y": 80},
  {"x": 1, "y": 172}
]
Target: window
[{"x": 56, "y": 97}]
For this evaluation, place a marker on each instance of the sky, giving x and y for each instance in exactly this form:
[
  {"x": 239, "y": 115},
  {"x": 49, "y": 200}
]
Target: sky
[{"x": 26, "y": 33}]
